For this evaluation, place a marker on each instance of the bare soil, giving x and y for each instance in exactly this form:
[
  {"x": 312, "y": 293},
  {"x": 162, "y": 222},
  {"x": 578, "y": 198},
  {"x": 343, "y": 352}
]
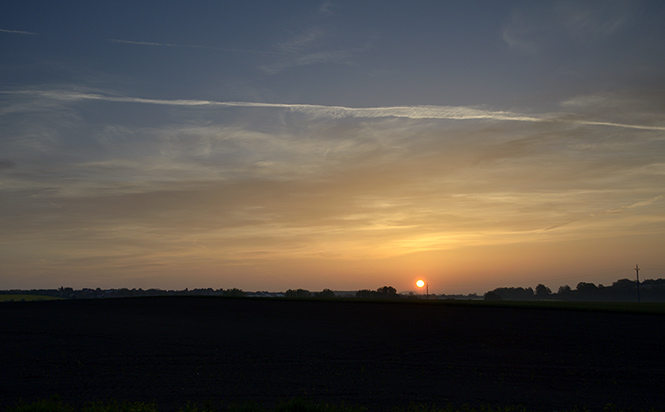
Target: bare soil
[{"x": 380, "y": 355}]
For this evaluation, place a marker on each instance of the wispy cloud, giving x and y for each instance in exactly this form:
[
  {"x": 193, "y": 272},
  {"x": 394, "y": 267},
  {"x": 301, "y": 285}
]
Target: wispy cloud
[
  {"x": 532, "y": 29},
  {"x": 188, "y": 46},
  {"x": 315, "y": 44},
  {"x": 28, "y": 33},
  {"x": 611, "y": 211},
  {"x": 305, "y": 59},
  {"x": 311, "y": 38},
  {"x": 6, "y": 164},
  {"x": 586, "y": 22},
  {"x": 641, "y": 203},
  {"x": 233, "y": 185}
]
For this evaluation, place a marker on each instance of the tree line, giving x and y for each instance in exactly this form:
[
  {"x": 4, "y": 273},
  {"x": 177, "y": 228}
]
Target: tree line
[
  {"x": 88, "y": 293},
  {"x": 385, "y": 292},
  {"x": 623, "y": 290}
]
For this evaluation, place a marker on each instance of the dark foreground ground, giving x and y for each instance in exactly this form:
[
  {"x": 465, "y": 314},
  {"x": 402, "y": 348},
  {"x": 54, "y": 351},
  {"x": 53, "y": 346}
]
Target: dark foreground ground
[{"x": 379, "y": 355}]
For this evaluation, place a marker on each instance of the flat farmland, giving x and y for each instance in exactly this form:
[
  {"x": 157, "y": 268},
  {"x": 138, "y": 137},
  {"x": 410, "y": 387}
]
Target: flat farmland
[{"x": 376, "y": 354}]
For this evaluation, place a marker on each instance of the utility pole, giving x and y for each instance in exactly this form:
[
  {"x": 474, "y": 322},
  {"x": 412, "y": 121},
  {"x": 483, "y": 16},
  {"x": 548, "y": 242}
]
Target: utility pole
[
  {"x": 420, "y": 283},
  {"x": 637, "y": 273}
]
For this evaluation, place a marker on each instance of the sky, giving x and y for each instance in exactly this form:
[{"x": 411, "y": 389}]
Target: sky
[{"x": 334, "y": 144}]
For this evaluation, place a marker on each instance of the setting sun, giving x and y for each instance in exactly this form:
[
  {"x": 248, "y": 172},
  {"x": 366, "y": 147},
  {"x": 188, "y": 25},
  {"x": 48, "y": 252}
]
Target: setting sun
[{"x": 420, "y": 283}]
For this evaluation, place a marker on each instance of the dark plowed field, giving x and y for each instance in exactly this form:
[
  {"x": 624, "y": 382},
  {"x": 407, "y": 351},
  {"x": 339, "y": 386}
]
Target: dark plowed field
[{"x": 380, "y": 355}]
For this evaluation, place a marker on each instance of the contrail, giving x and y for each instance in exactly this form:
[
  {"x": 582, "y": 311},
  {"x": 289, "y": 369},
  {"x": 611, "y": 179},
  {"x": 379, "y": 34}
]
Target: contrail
[
  {"x": 610, "y": 124},
  {"x": 615, "y": 210},
  {"x": 339, "y": 112},
  {"x": 632, "y": 205},
  {"x": 334, "y": 112},
  {"x": 29, "y": 33},
  {"x": 189, "y": 46}
]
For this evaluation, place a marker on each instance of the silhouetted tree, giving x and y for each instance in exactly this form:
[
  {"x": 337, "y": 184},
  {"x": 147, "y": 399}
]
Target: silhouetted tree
[
  {"x": 564, "y": 289},
  {"x": 653, "y": 290},
  {"x": 492, "y": 296},
  {"x": 565, "y": 292},
  {"x": 365, "y": 294},
  {"x": 587, "y": 291},
  {"x": 622, "y": 290},
  {"x": 543, "y": 291},
  {"x": 298, "y": 293},
  {"x": 387, "y": 292},
  {"x": 325, "y": 293},
  {"x": 123, "y": 293},
  {"x": 514, "y": 293},
  {"x": 66, "y": 292},
  {"x": 235, "y": 292}
]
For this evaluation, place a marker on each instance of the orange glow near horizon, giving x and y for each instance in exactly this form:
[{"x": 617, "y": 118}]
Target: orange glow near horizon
[{"x": 509, "y": 207}]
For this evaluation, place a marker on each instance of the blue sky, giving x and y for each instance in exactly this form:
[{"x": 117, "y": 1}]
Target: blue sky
[{"x": 331, "y": 144}]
